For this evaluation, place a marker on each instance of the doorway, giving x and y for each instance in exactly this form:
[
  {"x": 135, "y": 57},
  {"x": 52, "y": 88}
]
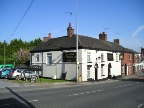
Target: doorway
[
  {"x": 96, "y": 74},
  {"x": 109, "y": 71}
]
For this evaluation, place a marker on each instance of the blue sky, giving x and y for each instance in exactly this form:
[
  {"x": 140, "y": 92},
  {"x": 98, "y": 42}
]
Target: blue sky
[{"x": 123, "y": 18}]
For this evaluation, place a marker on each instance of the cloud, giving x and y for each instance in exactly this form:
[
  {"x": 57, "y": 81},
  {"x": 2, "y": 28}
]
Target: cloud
[{"x": 138, "y": 30}]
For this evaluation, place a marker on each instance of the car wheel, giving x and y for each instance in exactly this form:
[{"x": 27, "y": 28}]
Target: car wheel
[
  {"x": 6, "y": 77},
  {"x": 17, "y": 77}
]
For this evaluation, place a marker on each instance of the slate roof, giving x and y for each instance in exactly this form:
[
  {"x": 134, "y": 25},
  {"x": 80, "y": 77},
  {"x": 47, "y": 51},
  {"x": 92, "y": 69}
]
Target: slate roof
[
  {"x": 66, "y": 42},
  {"x": 22, "y": 66}
]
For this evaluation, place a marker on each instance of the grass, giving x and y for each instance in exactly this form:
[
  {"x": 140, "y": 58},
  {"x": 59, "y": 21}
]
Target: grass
[{"x": 42, "y": 80}]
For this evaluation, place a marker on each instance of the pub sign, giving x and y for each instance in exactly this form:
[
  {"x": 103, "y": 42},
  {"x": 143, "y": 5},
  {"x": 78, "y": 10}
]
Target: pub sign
[{"x": 69, "y": 57}]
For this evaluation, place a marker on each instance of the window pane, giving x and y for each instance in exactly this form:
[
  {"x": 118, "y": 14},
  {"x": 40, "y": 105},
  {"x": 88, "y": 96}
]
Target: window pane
[
  {"x": 88, "y": 57},
  {"x": 49, "y": 58}
]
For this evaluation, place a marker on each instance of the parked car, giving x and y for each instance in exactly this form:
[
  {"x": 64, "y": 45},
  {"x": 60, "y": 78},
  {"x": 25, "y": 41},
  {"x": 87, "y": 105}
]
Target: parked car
[
  {"x": 4, "y": 73},
  {"x": 14, "y": 73},
  {"x": 28, "y": 74}
]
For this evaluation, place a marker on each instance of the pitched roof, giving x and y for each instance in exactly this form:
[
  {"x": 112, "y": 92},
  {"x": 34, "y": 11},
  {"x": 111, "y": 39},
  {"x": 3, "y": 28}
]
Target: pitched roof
[{"x": 66, "y": 42}]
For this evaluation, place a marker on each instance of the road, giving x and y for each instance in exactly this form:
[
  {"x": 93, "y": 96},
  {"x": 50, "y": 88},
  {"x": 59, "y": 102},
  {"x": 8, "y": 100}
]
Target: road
[{"x": 118, "y": 94}]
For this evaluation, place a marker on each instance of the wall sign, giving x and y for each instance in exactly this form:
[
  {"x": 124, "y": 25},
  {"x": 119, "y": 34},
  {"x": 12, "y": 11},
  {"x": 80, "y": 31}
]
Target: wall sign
[
  {"x": 121, "y": 56},
  {"x": 69, "y": 57}
]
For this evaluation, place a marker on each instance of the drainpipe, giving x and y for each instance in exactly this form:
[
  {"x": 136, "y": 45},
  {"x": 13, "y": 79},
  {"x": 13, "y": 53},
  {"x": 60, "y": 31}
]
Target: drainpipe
[{"x": 42, "y": 65}]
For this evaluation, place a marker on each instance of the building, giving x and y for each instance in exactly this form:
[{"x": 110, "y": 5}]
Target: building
[{"x": 99, "y": 59}]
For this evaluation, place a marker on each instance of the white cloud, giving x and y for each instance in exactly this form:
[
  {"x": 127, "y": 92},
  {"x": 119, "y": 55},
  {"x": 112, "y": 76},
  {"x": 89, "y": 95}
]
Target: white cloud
[{"x": 138, "y": 30}]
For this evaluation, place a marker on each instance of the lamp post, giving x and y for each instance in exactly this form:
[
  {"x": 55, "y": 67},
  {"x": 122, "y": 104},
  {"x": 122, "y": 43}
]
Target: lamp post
[{"x": 77, "y": 62}]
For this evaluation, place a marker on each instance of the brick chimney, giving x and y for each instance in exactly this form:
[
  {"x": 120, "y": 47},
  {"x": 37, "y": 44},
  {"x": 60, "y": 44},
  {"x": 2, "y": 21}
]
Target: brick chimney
[
  {"x": 103, "y": 36},
  {"x": 47, "y": 38},
  {"x": 142, "y": 52},
  {"x": 70, "y": 30},
  {"x": 116, "y": 41}
]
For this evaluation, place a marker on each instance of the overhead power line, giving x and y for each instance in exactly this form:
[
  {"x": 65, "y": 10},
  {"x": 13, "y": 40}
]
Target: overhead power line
[{"x": 21, "y": 19}]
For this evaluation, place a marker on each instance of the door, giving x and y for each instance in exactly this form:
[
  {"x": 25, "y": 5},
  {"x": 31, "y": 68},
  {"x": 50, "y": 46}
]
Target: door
[{"x": 96, "y": 75}]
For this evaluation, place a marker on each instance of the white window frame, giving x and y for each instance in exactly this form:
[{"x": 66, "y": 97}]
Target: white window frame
[
  {"x": 88, "y": 58},
  {"x": 129, "y": 56},
  {"x": 37, "y": 57},
  {"x": 49, "y": 60}
]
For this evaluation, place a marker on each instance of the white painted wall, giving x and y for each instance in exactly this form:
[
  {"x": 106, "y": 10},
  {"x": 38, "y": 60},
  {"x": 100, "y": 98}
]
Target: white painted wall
[{"x": 58, "y": 66}]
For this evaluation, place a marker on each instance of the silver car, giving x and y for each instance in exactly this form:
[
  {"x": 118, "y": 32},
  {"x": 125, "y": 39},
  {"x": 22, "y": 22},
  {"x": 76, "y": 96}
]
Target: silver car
[
  {"x": 28, "y": 74},
  {"x": 14, "y": 73}
]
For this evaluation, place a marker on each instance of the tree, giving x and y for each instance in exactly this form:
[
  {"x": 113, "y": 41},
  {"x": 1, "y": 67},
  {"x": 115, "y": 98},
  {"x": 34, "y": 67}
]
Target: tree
[{"x": 23, "y": 55}]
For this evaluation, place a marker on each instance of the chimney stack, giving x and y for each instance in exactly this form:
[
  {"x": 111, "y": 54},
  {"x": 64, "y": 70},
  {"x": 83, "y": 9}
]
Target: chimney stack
[
  {"x": 103, "y": 36},
  {"x": 116, "y": 41},
  {"x": 70, "y": 30},
  {"x": 47, "y": 38}
]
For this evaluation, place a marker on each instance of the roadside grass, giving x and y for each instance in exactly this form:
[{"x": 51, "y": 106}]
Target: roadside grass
[{"x": 42, "y": 80}]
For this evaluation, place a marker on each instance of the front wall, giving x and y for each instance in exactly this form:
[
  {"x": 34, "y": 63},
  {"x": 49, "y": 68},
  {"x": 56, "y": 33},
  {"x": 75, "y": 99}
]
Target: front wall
[
  {"x": 115, "y": 70},
  {"x": 58, "y": 67}
]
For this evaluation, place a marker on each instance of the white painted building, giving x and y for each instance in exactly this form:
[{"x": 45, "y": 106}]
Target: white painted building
[{"x": 98, "y": 58}]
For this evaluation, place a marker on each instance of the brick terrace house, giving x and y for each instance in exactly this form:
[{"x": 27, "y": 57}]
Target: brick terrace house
[
  {"x": 142, "y": 56},
  {"x": 98, "y": 58}
]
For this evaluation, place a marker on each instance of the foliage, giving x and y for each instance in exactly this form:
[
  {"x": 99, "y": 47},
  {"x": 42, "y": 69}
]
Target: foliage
[{"x": 17, "y": 51}]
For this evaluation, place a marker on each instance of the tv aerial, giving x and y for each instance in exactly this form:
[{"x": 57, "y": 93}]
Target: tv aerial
[
  {"x": 70, "y": 13},
  {"x": 105, "y": 29}
]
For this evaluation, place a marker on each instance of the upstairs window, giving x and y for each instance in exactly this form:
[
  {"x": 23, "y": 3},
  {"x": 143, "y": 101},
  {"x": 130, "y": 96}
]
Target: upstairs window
[
  {"x": 129, "y": 57},
  {"x": 37, "y": 57},
  {"x": 49, "y": 58},
  {"x": 109, "y": 56},
  {"x": 88, "y": 56}
]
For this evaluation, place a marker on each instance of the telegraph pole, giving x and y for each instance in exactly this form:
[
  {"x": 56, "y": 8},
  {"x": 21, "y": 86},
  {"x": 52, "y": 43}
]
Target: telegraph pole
[{"x": 4, "y": 53}]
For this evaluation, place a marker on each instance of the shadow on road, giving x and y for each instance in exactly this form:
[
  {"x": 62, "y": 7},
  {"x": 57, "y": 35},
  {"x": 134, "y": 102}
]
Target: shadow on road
[
  {"x": 12, "y": 103},
  {"x": 25, "y": 103}
]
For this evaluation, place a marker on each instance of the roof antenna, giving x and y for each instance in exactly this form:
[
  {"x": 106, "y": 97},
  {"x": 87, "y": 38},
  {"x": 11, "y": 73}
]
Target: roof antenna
[
  {"x": 105, "y": 29},
  {"x": 70, "y": 13}
]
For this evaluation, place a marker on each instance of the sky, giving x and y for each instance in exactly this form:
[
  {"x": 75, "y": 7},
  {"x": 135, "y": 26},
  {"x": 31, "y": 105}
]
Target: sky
[{"x": 119, "y": 19}]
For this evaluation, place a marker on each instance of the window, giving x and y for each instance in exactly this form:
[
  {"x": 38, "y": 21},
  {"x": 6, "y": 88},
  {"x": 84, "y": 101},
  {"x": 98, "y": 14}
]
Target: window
[
  {"x": 88, "y": 72},
  {"x": 49, "y": 58},
  {"x": 102, "y": 70},
  {"x": 135, "y": 68},
  {"x": 37, "y": 57},
  {"x": 129, "y": 67},
  {"x": 109, "y": 56},
  {"x": 129, "y": 57},
  {"x": 116, "y": 56},
  {"x": 102, "y": 57},
  {"x": 123, "y": 69},
  {"x": 88, "y": 57}
]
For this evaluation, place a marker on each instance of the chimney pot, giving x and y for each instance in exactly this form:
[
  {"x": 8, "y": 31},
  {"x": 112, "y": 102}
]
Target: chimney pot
[
  {"x": 103, "y": 36},
  {"x": 116, "y": 41}
]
